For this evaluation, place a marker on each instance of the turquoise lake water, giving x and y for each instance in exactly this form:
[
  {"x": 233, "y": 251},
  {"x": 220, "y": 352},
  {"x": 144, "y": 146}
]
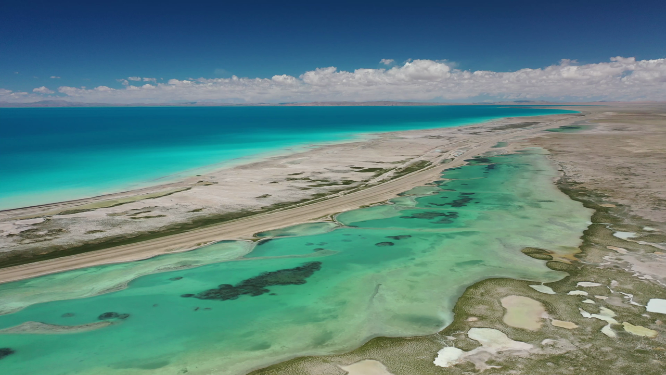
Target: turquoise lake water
[
  {"x": 55, "y": 154},
  {"x": 389, "y": 270}
]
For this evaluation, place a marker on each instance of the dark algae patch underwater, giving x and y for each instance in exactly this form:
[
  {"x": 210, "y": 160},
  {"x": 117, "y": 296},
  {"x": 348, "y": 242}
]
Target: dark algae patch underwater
[
  {"x": 257, "y": 286},
  {"x": 4, "y": 352}
]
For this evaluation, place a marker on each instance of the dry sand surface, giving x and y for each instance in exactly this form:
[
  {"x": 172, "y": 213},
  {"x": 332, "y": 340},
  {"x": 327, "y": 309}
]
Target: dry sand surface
[
  {"x": 342, "y": 176},
  {"x": 621, "y": 155},
  {"x": 622, "y": 158}
]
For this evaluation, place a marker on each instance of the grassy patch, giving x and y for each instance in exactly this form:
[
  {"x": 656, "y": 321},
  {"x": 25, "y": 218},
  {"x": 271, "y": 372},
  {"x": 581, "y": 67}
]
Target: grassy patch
[
  {"x": 518, "y": 125},
  {"x": 109, "y": 203},
  {"x": 421, "y": 164}
]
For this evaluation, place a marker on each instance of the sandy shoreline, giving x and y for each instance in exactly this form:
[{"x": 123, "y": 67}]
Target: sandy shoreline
[
  {"x": 181, "y": 179},
  {"x": 189, "y": 177},
  {"x": 330, "y": 192}
]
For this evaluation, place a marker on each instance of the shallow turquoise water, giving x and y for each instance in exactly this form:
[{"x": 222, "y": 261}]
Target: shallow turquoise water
[
  {"x": 389, "y": 270},
  {"x": 55, "y": 154}
]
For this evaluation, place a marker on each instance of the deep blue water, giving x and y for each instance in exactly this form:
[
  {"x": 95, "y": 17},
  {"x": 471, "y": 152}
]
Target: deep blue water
[{"x": 53, "y": 154}]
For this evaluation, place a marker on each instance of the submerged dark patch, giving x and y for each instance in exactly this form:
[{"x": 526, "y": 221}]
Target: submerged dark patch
[
  {"x": 381, "y": 244},
  {"x": 445, "y": 217},
  {"x": 258, "y": 285},
  {"x": 4, "y": 352},
  {"x": 399, "y": 237},
  {"x": 423, "y": 320},
  {"x": 464, "y": 199},
  {"x": 565, "y": 128},
  {"x": 469, "y": 263},
  {"x": 112, "y": 315},
  {"x": 478, "y": 160},
  {"x": 141, "y": 364},
  {"x": 176, "y": 278},
  {"x": 67, "y": 315}
]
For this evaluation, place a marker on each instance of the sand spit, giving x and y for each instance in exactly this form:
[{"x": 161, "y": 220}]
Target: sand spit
[
  {"x": 39, "y": 328},
  {"x": 361, "y": 173}
]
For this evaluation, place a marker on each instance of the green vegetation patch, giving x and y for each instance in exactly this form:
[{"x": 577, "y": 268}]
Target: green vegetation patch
[
  {"x": 421, "y": 164},
  {"x": 535, "y": 253},
  {"x": 569, "y": 128},
  {"x": 518, "y": 125},
  {"x": 109, "y": 203}
]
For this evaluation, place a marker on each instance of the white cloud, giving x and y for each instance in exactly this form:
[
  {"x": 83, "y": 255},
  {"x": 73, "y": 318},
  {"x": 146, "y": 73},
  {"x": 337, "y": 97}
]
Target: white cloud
[
  {"x": 176, "y": 82},
  {"x": 42, "y": 90},
  {"x": 55, "y": 77},
  {"x": 416, "y": 80},
  {"x": 18, "y": 96},
  {"x": 68, "y": 90},
  {"x": 284, "y": 79},
  {"x": 134, "y": 78},
  {"x": 149, "y": 79},
  {"x": 386, "y": 61}
]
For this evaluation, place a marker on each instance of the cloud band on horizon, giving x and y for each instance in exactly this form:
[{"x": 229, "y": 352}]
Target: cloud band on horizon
[{"x": 416, "y": 80}]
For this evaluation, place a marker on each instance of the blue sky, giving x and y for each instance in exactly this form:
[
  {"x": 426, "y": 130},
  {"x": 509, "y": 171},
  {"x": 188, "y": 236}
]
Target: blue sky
[{"x": 95, "y": 43}]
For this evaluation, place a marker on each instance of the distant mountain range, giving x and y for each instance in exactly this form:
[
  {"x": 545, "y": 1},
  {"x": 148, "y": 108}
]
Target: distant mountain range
[{"x": 65, "y": 103}]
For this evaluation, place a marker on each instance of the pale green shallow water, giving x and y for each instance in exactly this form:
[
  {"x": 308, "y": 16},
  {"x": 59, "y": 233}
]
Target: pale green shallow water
[{"x": 431, "y": 246}]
